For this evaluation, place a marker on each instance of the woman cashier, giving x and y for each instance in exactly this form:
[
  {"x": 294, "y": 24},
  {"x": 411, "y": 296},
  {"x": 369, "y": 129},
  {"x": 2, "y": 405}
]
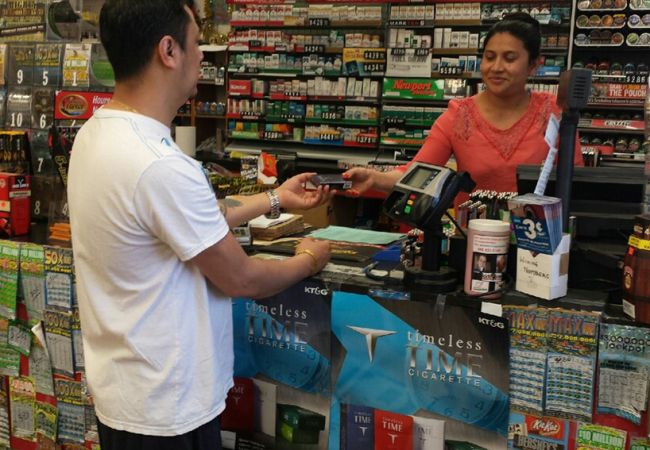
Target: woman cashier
[{"x": 493, "y": 132}]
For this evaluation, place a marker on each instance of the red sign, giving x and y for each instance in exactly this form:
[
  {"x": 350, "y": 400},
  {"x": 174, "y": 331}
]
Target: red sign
[
  {"x": 79, "y": 105},
  {"x": 550, "y": 428},
  {"x": 239, "y": 87},
  {"x": 618, "y": 93},
  {"x": 613, "y": 124}
]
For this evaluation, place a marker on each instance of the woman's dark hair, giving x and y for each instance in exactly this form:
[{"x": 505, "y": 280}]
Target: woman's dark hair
[
  {"x": 130, "y": 30},
  {"x": 524, "y": 28}
]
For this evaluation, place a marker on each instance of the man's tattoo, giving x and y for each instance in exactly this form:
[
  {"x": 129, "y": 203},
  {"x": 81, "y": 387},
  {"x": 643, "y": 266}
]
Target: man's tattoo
[{"x": 226, "y": 203}]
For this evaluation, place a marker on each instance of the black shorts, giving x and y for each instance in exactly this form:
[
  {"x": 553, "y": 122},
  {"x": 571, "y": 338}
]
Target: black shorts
[{"x": 206, "y": 437}]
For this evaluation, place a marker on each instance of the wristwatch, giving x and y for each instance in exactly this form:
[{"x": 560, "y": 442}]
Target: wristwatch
[{"x": 274, "y": 198}]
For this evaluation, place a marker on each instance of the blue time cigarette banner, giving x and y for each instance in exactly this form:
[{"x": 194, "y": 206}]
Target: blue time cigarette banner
[
  {"x": 281, "y": 396},
  {"x": 449, "y": 366}
]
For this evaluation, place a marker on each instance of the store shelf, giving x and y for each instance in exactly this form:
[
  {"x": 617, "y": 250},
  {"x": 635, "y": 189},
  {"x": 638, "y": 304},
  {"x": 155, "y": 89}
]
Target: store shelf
[
  {"x": 597, "y": 45},
  {"x": 373, "y": 24},
  {"x": 622, "y": 107},
  {"x": 275, "y": 49},
  {"x": 417, "y": 102},
  {"x": 407, "y": 122},
  {"x": 609, "y": 131},
  {"x": 340, "y": 143},
  {"x": 209, "y": 116},
  {"x": 212, "y": 82},
  {"x": 467, "y": 75},
  {"x": 370, "y": 123},
  {"x": 402, "y": 142},
  {"x": 461, "y": 23},
  {"x": 332, "y": 153},
  {"x": 612, "y": 126},
  {"x": 410, "y": 23},
  {"x": 554, "y": 50},
  {"x": 184, "y": 115},
  {"x": 454, "y": 51},
  {"x": 213, "y": 48}
]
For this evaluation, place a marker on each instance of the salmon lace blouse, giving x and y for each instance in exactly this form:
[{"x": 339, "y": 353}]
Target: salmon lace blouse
[{"x": 491, "y": 155}]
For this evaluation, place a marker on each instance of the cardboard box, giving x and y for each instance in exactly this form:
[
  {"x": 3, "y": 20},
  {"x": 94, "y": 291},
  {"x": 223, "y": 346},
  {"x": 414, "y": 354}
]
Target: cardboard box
[
  {"x": 455, "y": 39},
  {"x": 544, "y": 276},
  {"x": 446, "y": 38},
  {"x": 437, "y": 37},
  {"x": 15, "y": 207},
  {"x": 463, "y": 39}
]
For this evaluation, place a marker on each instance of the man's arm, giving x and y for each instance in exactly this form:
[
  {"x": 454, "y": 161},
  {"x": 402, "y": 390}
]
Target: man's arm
[
  {"x": 227, "y": 266},
  {"x": 292, "y": 194},
  {"x": 240, "y": 209}
]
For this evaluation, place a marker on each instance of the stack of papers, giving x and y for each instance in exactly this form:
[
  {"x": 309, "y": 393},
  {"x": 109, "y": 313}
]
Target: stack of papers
[
  {"x": 537, "y": 222},
  {"x": 271, "y": 229},
  {"x": 357, "y": 235}
]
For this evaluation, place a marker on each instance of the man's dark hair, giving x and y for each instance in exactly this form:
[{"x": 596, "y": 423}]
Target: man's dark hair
[
  {"x": 130, "y": 31},
  {"x": 524, "y": 28}
]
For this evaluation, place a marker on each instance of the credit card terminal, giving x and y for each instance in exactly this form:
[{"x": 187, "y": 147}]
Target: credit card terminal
[{"x": 425, "y": 192}]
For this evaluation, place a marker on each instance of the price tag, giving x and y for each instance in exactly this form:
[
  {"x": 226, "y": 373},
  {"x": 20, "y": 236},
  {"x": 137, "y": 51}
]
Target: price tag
[
  {"x": 421, "y": 52},
  {"x": 392, "y": 121},
  {"x": 636, "y": 79},
  {"x": 43, "y": 108},
  {"x": 254, "y": 43},
  {"x": 281, "y": 48},
  {"x": 366, "y": 139},
  {"x": 252, "y": 70},
  {"x": 374, "y": 67},
  {"x": 291, "y": 117},
  {"x": 374, "y": 55},
  {"x": 406, "y": 23},
  {"x": 314, "y": 48},
  {"x": 331, "y": 116},
  {"x": 19, "y": 338},
  {"x": 273, "y": 135},
  {"x": 398, "y": 51},
  {"x": 319, "y": 22},
  {"x": 449, "y": 70},
  {"x": 250, "y": 115},
  {"x": 330, "y": 136},
  {"x": 292, "y": 95}
]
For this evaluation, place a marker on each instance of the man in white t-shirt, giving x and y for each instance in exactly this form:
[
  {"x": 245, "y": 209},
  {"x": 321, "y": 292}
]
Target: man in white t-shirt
[{"x": 155, "y": 261}]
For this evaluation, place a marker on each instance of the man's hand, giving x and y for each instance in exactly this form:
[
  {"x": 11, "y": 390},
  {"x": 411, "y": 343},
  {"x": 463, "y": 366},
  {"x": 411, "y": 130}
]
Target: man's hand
[
  {"x": 362, "y": 180},
  {"x": 293, "y": 195},
  {"x": 321, "y": 250}
]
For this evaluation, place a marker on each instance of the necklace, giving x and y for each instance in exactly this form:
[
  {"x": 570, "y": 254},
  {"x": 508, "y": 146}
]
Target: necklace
[{"x": 127, "y": 107}]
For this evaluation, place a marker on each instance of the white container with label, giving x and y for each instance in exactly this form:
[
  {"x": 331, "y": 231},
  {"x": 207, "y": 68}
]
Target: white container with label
[{"x": 487, "y": 256}]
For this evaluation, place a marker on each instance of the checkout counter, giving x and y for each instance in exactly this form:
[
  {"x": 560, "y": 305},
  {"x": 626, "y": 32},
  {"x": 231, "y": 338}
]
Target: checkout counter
[
  {"x": 341, "y": 361},
  {"x": 381, "y": 372}
]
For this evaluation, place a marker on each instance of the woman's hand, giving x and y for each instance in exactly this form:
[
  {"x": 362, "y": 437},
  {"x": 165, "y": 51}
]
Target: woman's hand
[
  {"x": 293, "y": 195},
  {"x": 362, "y": 180}
]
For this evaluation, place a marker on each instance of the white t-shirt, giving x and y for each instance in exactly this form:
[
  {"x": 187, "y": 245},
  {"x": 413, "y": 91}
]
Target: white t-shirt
[{"x": 157, "y": 335}]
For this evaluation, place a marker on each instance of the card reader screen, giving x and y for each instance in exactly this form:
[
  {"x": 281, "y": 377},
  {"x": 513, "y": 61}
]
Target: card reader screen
[{"x": 421, "y": 177}]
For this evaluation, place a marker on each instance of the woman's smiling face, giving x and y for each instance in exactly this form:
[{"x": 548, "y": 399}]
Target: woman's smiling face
[{"x": 506, "y": 67}]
